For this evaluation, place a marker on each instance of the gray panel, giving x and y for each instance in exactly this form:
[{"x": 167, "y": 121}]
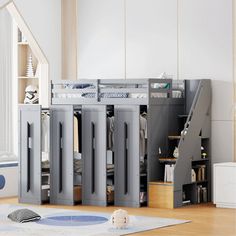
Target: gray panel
[
  {"x": 30, "y": 154},
  {"x": 191, "y": 87},
  {"x": 127, "y": 156},
  {"x": 94, "y": 143},
  {"x": 174, "y": 121},
  {"x": 62, "y": 154},
  {"x": 206, "y": 129},
  {"x": 157, "y": 140},
  {"x": 196, "y": 152}
]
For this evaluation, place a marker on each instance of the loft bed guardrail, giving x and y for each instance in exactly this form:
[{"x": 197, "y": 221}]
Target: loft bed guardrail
[{"x": 115, "y": 91}]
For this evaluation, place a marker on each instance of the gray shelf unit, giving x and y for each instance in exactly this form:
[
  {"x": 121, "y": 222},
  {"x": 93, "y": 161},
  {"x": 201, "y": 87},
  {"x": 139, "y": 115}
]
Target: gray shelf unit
[
  {"x": 194, "y": 119},
  {"x": 197, "y": 129}
]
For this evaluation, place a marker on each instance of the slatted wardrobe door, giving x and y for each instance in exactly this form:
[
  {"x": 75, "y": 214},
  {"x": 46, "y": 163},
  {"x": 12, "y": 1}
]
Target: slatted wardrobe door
[
  {"x": 62, "y": 154},
  {"x": 94, "y": 142},
  {"x": 30, "y": 154},
  {"x": 127, "y": 160}
]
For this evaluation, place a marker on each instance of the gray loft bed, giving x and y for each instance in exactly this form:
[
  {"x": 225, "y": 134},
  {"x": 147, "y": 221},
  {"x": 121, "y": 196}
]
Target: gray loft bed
[
  {"x": 164, "y": 100},
  {"x": 117, "y": 91}
]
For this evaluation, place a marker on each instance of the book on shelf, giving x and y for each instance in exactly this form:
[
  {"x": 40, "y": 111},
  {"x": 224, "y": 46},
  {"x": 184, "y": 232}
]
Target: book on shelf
[{"x": 169, "y": 173}]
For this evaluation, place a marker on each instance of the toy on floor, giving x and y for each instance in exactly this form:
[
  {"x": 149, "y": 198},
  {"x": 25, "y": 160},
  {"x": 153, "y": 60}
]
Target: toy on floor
[{"x": 120, "y": 219}]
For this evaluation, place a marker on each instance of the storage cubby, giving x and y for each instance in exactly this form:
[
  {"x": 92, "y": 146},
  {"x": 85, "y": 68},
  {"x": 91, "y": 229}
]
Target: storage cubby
[
  {"x": 187, "y": 139},
  {"x": 189, "y": 194},
  {"x": 24, "y": 54}
]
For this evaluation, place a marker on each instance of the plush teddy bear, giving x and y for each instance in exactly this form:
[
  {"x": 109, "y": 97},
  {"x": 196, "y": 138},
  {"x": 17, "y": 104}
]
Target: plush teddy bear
[{"x": 120, "y": 219}]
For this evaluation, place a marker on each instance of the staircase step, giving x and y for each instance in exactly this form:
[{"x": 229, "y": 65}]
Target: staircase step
[
  {"x": 206, "y": 159},
  {"x": 169, "y": 159},
  {"x": 182, "y": 116},
  {"x": 171, "y": 137}
]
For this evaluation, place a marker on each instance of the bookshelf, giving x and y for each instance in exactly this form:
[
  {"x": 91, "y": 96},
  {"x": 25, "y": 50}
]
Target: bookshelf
[
  {"x": 24, "y": 54},
  {"x": 184, "y": 150}
]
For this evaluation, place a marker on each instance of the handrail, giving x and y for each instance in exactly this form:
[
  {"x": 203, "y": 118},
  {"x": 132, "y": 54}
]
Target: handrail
[{"x": 186, "y": 125}]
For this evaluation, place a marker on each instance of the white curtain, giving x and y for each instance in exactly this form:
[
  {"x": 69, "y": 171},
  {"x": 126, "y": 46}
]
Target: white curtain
[{"x": 6, "y": 117}]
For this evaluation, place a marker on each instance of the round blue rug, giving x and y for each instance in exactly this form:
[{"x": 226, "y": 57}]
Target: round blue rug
[{"x": 83, "y": 220}]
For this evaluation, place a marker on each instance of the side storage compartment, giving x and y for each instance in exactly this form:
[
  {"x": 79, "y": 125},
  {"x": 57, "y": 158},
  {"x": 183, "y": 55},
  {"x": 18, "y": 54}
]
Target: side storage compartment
[
  {"x": 30, "y": 154},
  {"x": 94, "y": 147},
  {"x": 127, "y": 155},
  {"x": 62, "y": 148}
]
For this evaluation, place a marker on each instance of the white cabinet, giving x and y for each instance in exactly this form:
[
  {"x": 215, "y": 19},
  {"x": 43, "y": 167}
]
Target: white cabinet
[
  {"x": 151, "y": 38},
  {"x": 101, "y": 47},
  {"x": 225, "y": 185}
]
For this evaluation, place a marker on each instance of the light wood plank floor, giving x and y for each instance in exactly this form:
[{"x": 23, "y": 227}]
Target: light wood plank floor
[{"x": 206, "y": 219}]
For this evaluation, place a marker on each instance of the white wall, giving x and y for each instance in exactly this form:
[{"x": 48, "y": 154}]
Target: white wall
[
  {"x": 43, "y": 18},
  {"x": 151, "y": 38},
  {"x": 189, "y": 39},
  {"x": 206, "y": 51},
  {"x": 101, "y": 46}
]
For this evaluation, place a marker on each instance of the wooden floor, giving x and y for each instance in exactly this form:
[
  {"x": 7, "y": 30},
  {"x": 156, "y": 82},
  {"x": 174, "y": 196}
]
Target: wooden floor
[{"x": 206, "y": 219}]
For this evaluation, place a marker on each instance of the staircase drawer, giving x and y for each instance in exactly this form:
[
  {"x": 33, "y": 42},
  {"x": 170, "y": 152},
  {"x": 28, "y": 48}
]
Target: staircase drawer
[{"x": 161, "y": 195}]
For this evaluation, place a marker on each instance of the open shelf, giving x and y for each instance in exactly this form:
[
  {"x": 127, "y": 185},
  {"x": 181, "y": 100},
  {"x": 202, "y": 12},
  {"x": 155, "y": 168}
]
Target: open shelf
[
  {"x": 161, "y": 183},
  {"x": 23, "y": 43}
]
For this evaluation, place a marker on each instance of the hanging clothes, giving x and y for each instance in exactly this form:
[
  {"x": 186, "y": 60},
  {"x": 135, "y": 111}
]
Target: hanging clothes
[
  {"x": 45, "y": 132},
  {"x": 110, "y": 132},
  {"x": 77, "y": 132},
  {"x": 143, "y": 137}
]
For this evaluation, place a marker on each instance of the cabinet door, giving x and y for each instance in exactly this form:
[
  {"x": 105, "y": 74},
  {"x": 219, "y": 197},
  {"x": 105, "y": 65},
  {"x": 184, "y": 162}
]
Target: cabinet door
[
  {"x": 101, "y": 46},
  {"x": 94, "y": 145},
  {"x": 62, "y": 154},
  {"x": 127, "y": 156},
  {"x": 151, "y": 38},
  {"x": 30, "y": 154}
]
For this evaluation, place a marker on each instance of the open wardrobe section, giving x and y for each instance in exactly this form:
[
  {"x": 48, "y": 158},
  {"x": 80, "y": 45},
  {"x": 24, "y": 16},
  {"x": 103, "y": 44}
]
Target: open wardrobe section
[{"x": 109, "y": 142}]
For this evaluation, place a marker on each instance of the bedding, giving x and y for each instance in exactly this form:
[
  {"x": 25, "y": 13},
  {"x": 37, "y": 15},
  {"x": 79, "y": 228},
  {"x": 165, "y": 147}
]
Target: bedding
[{"x": 176, "y": 93}]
